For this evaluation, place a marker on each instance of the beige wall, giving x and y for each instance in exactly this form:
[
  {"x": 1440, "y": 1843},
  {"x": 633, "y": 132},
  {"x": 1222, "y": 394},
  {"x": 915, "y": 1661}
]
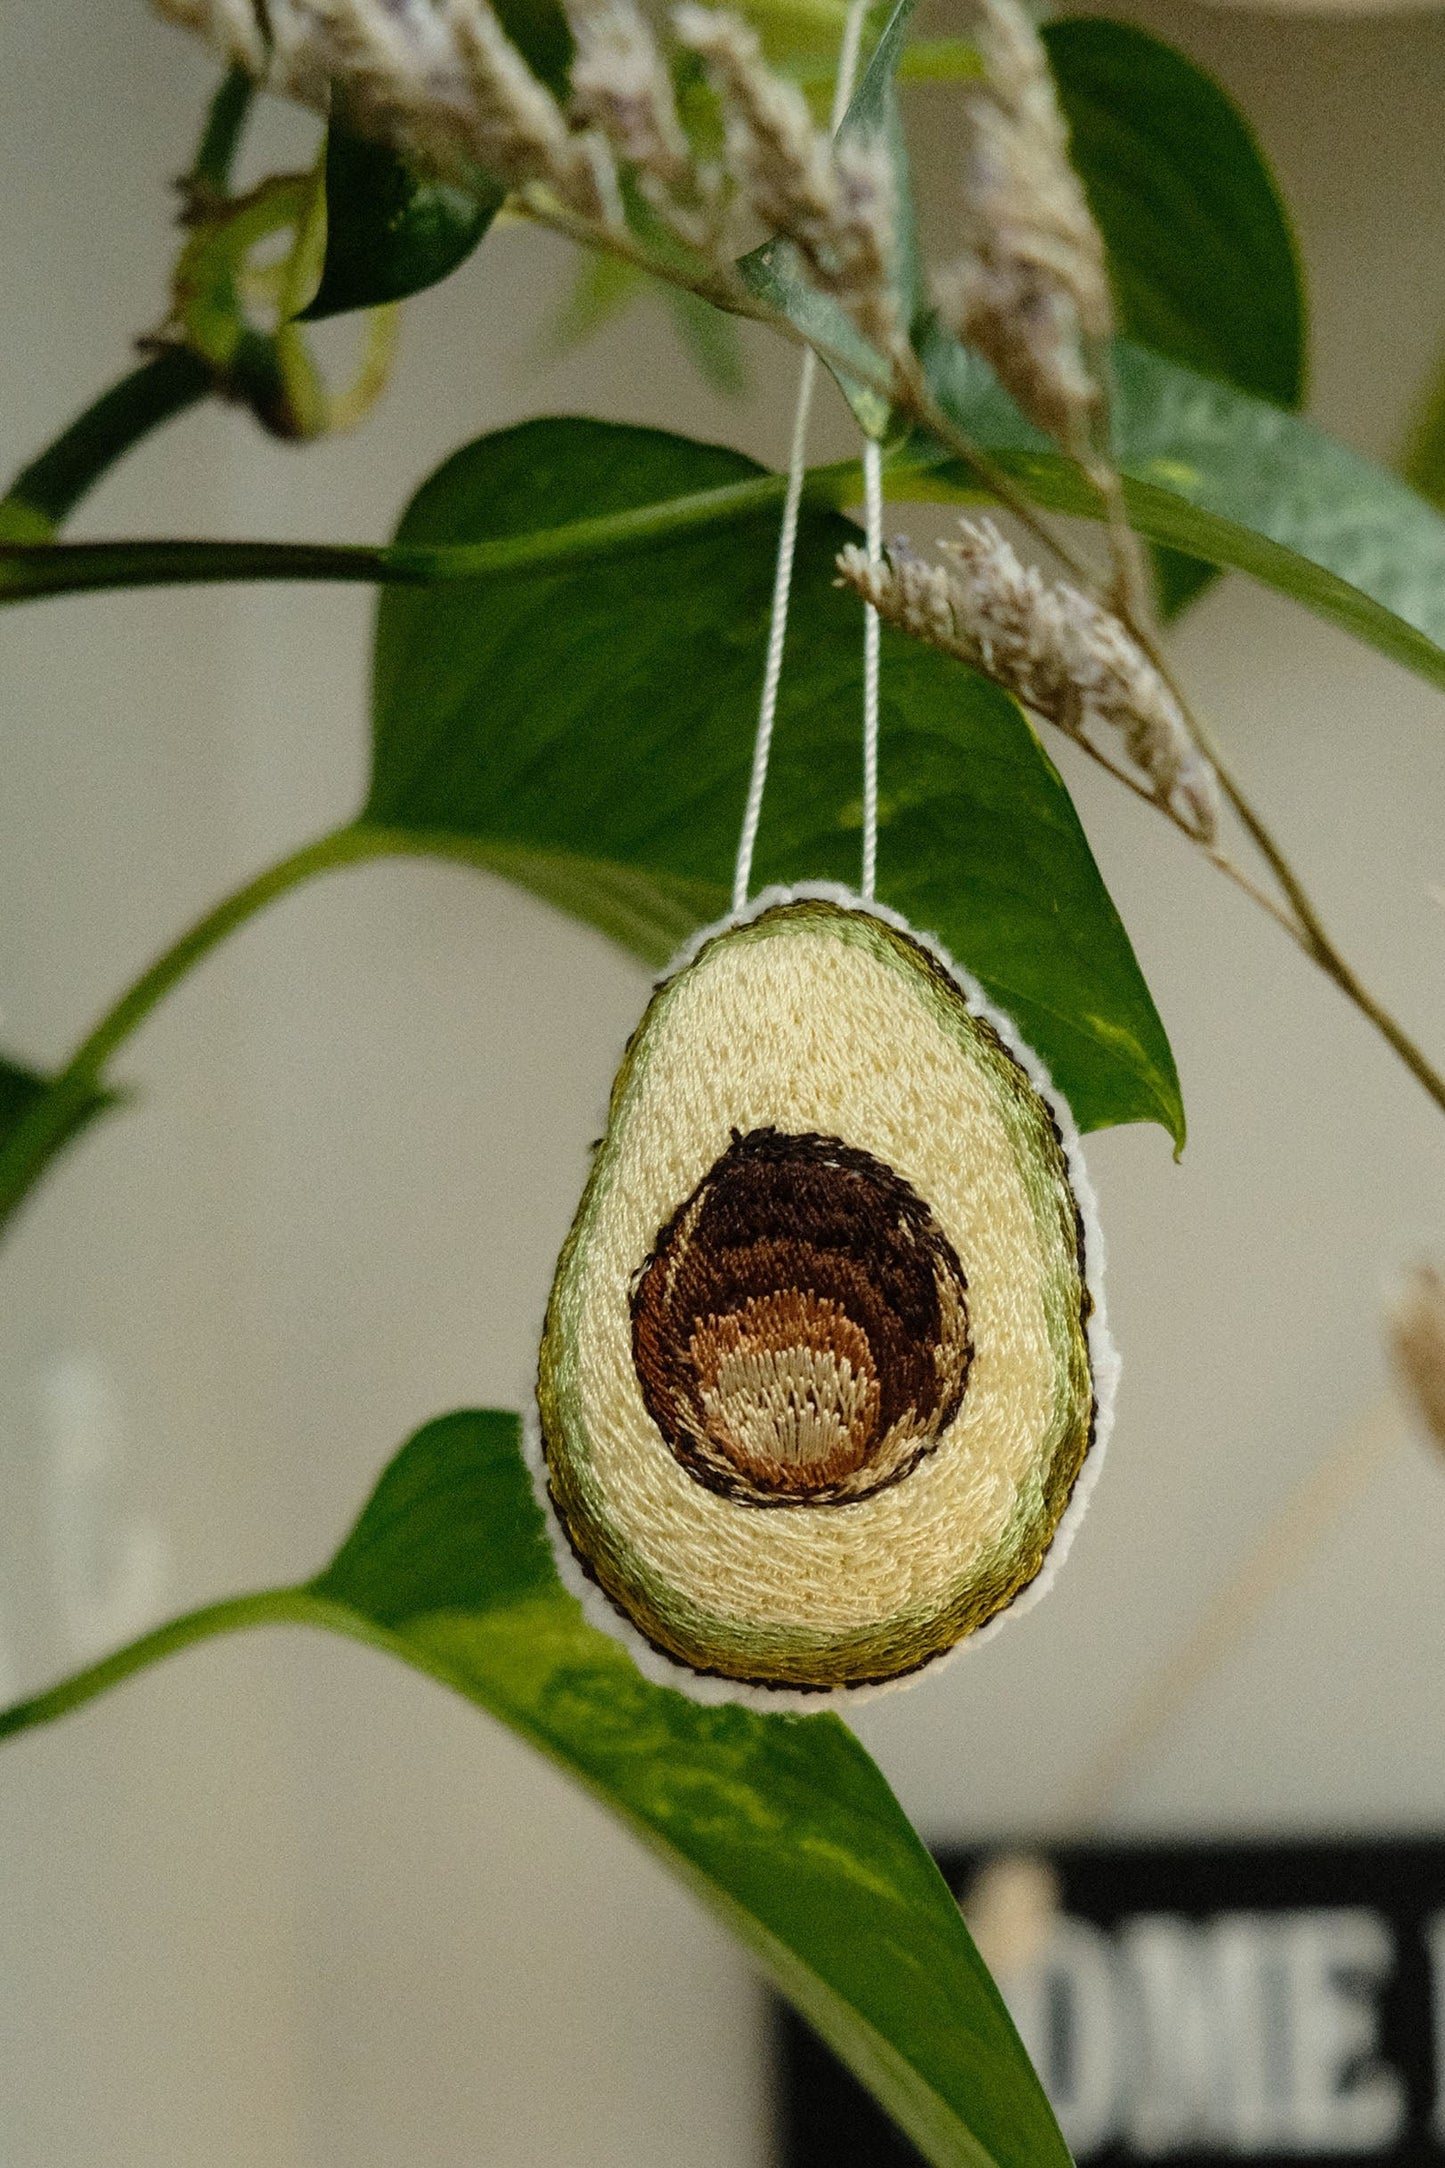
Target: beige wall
[{"x": 282, "y": 1904}]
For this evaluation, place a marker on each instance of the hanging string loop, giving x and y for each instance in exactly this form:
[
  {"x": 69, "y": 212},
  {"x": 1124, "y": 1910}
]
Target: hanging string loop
[
  {"x": 873, "y": 525},
  {"x": 783, "y": 574}
]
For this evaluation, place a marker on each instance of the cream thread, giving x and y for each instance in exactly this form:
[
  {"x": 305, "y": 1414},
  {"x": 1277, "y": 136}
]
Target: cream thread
[
  {"x": 742, "y": 1579},
  {"x": 873, "y": 517},
  {"x": 777, "y": 629},
  {"x": 788, "y": 549}
]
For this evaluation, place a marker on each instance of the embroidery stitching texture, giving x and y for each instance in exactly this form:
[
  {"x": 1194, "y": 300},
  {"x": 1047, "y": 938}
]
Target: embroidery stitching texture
[{"x": 822, "y": 1364}]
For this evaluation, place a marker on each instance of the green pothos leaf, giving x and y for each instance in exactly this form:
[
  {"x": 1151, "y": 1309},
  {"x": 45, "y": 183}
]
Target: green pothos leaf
[
  {"x": 588, "y": 730},
  {"x": 781, "y": 1825},
  {"x": 390, "y": 231}
]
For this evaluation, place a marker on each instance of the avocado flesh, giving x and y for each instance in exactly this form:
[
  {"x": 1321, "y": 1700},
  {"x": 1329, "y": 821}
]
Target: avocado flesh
[{"x": 817, "y": 1454}]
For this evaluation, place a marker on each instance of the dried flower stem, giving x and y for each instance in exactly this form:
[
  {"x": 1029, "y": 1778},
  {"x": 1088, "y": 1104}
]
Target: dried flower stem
[
  {"x": 717, "y": 283},
  {"x": 1217, "y": 856},
  {"x": 1038, "y": 245},
  {"x": 1055, "y": 648},
  {"x": 1300, "y": 919}
]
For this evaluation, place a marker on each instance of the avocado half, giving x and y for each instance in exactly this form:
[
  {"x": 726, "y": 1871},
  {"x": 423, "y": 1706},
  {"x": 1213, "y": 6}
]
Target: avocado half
[{"x": 824, "y": 1355}]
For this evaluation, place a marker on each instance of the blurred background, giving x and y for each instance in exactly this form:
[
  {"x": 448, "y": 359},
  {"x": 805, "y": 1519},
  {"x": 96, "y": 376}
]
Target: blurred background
[{"x": 281, "y": 1903}]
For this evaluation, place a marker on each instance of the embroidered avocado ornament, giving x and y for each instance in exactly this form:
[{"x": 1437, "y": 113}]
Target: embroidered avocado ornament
[{"x": 824, "y": 1356}]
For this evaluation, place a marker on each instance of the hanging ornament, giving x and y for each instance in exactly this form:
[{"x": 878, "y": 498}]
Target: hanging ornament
[
  {"x": 824, "y": 1358},
  {"x": 825, "y": 1373}
]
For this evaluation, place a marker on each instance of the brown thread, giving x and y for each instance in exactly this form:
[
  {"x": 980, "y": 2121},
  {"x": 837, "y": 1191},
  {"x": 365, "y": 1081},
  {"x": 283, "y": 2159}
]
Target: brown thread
[{"x": 800, "y": 1331}]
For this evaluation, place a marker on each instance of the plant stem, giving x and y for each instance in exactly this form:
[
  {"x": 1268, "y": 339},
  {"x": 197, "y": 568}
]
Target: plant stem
[
  {"x": 54, "y": 1116},
  {"x": 44, "y": 494},
  {"x": 62, "y": 474},
  {"x": 221, "y": 135},
  {"x": 270, "y": 1607},
  {"x": 1317, "y": 944},
  {"x": 1217, "y": 858},
  {"x": 1302, "y": 921},
  {"x": 27, "y": 573}
]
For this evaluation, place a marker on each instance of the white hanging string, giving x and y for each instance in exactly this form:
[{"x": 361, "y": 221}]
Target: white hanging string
[
  {"x": 783, "y": 576},
  {"x": 847, "y": 63},
  {"x": 873, "y": 522},
  {"x": 777, "y": 629}
]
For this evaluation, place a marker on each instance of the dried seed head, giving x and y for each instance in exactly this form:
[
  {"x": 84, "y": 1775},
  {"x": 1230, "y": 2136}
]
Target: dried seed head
[
  {"x": 401, "y": 72},
  {"x": 1416, "y": 1324},
  {"x": 439, "y": 79},
  {"x": 1063, "y": 655},
  {"x": 834, "y": 202},
  {"x": 779, "y": 160},
  {"x": 516, "y": 128},
  {"x": 620, "y": 85},
  {"x": 229, "y": 25},
  {"x": 1033, "y": 286},
  {"x": 910, "y": 593},
  {"x": 864, "y": 238},
  {"x": 285, "y": 44}
]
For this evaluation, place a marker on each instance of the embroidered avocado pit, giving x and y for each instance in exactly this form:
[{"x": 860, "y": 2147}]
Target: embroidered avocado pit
[{"x": 800, "y": 1331}]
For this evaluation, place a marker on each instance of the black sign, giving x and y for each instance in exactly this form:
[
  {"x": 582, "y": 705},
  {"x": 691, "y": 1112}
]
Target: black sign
[{"x": 1204, "y": 2005}]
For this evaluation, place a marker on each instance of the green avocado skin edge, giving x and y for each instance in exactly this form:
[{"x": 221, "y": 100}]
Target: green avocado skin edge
[{"x": 763, "y": 1662}]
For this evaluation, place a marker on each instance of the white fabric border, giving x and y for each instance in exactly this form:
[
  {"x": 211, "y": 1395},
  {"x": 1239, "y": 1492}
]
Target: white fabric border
[{"x": 598, "y": 1608}]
